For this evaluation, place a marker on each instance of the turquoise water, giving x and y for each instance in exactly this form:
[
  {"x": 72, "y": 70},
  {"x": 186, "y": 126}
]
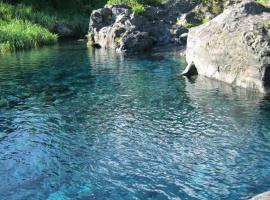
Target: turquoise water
[{"x": 83, "y": 124}]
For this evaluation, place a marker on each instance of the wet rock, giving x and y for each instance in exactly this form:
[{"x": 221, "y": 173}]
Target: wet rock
[{"x": 190, "y": 70}]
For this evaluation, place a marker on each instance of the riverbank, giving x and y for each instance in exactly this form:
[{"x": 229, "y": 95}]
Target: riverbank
[{"x": 27, "y": 25}]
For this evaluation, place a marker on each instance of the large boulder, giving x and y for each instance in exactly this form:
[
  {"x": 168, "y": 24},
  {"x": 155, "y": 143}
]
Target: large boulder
[
  {"x": 234, "y": 47},
  {"x": 118, "y": 27}
]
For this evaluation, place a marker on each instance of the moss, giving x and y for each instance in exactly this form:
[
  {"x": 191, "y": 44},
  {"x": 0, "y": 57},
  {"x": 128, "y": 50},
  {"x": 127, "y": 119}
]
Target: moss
[
  {"x": 264, "y": 2},
  {"x": 205, "y": 20},
  {"x": 188, "y": 25},
  {"x": 117, "y": 40}
]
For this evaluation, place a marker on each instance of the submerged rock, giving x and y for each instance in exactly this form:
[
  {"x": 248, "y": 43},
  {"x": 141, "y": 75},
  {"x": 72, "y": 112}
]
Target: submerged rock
[
  {"x": 263, "y": 196},
  {"x": 234, "y": 47}
]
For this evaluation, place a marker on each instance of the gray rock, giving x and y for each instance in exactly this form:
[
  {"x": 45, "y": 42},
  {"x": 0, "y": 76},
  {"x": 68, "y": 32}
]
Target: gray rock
[
  {"x": 234, "y": 47},
  {"x": 62, "y": 30},
  {"x": 135, "y": 41},
  {"x": 183, "y": 37},
  {"x": 164, "y": 24},
  {"x": 119, "y": 28},
  {"x": 190, "y": 70},
  {"x": 263, "y": 196}
]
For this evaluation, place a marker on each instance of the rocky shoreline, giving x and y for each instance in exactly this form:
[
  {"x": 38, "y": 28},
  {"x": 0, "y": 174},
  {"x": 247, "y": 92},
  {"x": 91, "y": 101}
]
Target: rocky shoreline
[{"x": 232, "y": 46}]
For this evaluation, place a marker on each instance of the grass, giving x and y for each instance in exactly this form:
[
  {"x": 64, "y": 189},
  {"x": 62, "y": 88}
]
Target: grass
[
  {"x": 23, "y": 27},
  {"x": 138, "y": 6},
  {"x": 17, "y": 35}
]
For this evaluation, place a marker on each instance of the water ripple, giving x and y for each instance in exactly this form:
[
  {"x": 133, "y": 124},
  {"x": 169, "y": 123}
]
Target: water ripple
[{"x": 92, "y": 124}]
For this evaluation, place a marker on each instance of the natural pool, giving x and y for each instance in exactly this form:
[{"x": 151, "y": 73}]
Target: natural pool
[{"x": 83, "y": 124}]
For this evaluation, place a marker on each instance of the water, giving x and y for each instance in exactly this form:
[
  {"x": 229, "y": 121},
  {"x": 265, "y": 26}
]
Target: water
[{"x": 83, "y": 124}]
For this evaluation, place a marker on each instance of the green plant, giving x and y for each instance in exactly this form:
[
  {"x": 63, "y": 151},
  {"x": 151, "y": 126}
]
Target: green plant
[
  {"x": 18, "y": 34},
  {"x": 188, "y": 25},
  {"x": 205, "y": 20},
  {"x": 136, "y": 5},
  {"x": 117, "y": 39},
  {"x": 264, "y": 2},
  {"x": 138, "y": 8}
]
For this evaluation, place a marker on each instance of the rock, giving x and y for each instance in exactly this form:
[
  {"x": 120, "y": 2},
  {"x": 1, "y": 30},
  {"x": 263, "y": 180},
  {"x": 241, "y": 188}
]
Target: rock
[
  {"x": 190, "y": 70},
  {"x": 136, "y": 41},
  {"x": 181, "y": 6},
  {"x": 118, "y": 27},
  {"x": 62, "y": 30},
  {"x": 183, "y": 37},
  {"x": 190, "y": 17},
  {"x": 263, "y": 196},
  {"x": 234, "y": 47}
]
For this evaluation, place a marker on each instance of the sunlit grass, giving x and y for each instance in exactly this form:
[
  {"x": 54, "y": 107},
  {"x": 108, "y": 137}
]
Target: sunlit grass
[
  {"x": 22, "y": 27},
  {"x": 18, "y": 34}
]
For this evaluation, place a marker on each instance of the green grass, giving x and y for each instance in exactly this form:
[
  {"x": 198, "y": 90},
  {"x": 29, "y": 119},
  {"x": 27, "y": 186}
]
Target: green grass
[
  {"x": 23, "y": 28},
  {"x": 18, "y": 34},
  {"x": 10, "y": 12},
  {"x": 138, "y": 6}
]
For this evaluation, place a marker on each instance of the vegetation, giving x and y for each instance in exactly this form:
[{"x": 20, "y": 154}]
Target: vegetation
[
  {"x": 205, "y": 20},
  {"x": 188, "y": 25},
  {"x": 17, "y": 34},
  {"x": 28, "y": 24},
  {"x": 264, "y": 2},
  {"x": 136, "y": 5}
]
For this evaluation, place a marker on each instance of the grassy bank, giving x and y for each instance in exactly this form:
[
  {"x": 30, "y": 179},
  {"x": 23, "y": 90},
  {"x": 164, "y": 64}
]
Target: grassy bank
[
  {"x": 22, "y": 28},
  {"x": 30, "y": 25},
  {"x": 19, "y": 34}
]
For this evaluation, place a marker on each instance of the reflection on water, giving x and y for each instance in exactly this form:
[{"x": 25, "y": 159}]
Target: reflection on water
[{"x": 92, "y": 124}]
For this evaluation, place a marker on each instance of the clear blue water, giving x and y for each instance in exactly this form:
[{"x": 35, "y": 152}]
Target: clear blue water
[{"x": 83, "y": 124}]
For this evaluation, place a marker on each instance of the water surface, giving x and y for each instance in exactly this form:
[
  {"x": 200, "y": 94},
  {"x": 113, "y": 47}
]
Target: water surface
[{"x": 91, "y": 124}]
